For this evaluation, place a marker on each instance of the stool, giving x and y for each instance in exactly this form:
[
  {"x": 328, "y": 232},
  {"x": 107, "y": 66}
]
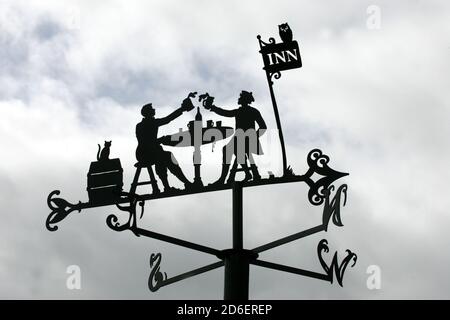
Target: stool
[
  {"x": 244, "y": 168},
  {"x": 152, "y": 181}
]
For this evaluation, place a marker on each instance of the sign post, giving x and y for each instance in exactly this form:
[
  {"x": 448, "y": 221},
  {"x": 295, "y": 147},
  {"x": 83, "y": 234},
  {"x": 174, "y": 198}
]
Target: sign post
[{"x": 278, "y": 57}]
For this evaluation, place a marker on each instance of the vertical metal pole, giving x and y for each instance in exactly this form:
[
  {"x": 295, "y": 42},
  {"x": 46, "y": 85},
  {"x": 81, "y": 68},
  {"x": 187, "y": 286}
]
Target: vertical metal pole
[
  {"x": 274, "y": 103},
  {"x": 238, "y": 233},
  {"x": 197, "y": 139},
  {"x": 236, "y": 259},
  {"x": 197, "y": 163},
  {"x": 277, "y": 118}
]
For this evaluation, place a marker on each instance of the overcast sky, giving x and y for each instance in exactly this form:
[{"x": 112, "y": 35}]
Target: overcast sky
[{"x": 76, "y": 73}]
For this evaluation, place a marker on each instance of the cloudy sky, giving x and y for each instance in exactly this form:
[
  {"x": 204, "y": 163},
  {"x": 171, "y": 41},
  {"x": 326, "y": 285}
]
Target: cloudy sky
[{"x": 373, "y": 96}]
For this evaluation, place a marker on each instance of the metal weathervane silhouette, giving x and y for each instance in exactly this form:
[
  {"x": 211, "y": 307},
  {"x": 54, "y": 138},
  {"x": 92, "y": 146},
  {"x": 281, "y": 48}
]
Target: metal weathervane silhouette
[{"x": 105, "y": 180}]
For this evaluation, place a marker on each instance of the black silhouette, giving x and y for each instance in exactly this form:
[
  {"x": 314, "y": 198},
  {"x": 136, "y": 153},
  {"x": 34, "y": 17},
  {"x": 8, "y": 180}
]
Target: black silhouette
[
  {"x": 104, "y": 154},
  {"x": 105, "y": 177},
  {"x": 278, "y": 57},
  {"x": 105, "y": 181},
  {"x": 196, "y": 136},
  {"x": 285, "y": 32},
  {"x": 246, "y": 117},
  {"x": 339, "y": 269},
  {"x": 61, "y": 208},
  {"x": 137, "y": 183},
  {"x": 206, "y": 100},
  {"x": 149, "y": 151},
  {"x": 236, "y": 260},
  {"x": 198, "y": 126},
  {"x": 156, "y": 276}
]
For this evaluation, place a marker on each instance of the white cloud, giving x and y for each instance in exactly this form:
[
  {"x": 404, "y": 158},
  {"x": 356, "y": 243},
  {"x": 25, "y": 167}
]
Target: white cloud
[{"x": 75, "y": 74}]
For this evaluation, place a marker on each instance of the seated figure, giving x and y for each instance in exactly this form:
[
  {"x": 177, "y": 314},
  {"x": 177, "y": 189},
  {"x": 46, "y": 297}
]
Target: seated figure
[{"x": 150, "y": 152}]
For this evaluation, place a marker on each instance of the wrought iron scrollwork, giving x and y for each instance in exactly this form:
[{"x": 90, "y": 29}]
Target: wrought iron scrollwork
[
  {"x": 156, "y": 278},
  {"x": 263, "y": 43},
  {"x": 276, "y": 75},
  {"x": 339, "y": 269},
  {"x": 318, "y": 163},
  {"x": 61, "y": 208},
  {"x": 332, "y": 209},
  {"x": 113, "y": 221}
]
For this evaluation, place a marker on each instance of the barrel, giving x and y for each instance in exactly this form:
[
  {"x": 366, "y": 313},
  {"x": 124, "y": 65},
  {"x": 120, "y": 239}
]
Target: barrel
[{"x": 105, "y": 181}]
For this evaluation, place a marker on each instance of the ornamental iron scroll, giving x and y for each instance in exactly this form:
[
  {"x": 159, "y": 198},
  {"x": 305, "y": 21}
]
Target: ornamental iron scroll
[
  {"x": 156, "y": 278},
  {"x": 61, "y": 208},
  {"x": 318, "y": 163},
  {"x": 332, "y": 209},
  {"x": 338, "y": 268}
]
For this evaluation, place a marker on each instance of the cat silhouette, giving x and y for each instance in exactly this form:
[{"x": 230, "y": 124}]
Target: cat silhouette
[{"x": 103, "y": 154}]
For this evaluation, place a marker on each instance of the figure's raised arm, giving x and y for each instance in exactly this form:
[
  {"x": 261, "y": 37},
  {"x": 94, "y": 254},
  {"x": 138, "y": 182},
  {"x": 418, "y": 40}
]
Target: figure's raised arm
[
  {"x": 208, "y": 101},
  {"x": 169, "y": 118},
  {"x": 223, "y": 112},
  {"x": 186, "y": 105}
]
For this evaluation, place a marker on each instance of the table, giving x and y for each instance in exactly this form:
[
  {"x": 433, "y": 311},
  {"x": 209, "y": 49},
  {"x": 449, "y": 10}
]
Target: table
[{"x": 196, "y": 136}]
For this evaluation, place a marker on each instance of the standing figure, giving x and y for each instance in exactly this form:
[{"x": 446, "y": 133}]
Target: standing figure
[
  {"x": 246, "y": 117},
  {"x": 149, "y": 151}
]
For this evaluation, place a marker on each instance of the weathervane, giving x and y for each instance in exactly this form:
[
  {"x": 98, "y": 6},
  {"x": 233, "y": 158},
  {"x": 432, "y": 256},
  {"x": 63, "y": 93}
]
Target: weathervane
[{"x": 105, "y": 179}]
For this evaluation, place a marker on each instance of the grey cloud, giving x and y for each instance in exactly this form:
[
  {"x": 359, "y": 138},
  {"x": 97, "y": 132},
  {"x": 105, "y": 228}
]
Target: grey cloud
[
  {"x": 375, "y": 101},
  {"x": 47, "y": 29}
]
